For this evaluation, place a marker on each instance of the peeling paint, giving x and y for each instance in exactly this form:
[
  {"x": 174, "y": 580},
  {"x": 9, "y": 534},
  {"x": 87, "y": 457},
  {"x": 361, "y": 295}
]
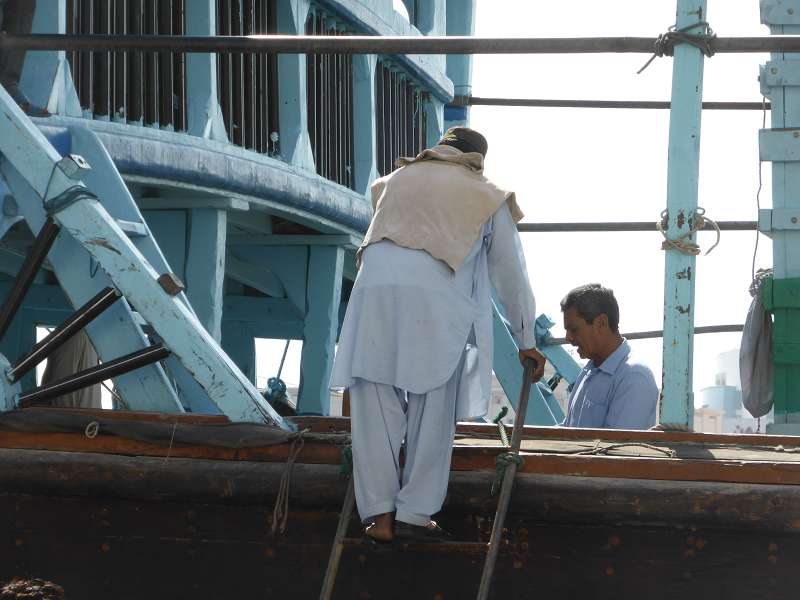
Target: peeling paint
[
  {"x": 102, "y": 243},
  {"x": 681, "y": 221},
  {"x": 684, "y": 310}
]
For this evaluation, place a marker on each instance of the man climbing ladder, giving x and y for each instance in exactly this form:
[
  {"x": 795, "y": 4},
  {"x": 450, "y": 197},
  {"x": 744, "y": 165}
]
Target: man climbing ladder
[{"x": 416, "y": 344}]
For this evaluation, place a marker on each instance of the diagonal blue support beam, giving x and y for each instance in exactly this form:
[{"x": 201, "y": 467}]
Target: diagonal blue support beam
[
  {"x": 543, "y": 409},
  {"x": 563, "y": 363},
  {"x": 677, "y": 398},
  {"x": 87, "y": 222}
]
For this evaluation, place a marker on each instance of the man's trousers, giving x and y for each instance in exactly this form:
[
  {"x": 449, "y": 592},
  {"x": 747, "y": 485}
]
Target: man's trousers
[{"x": 382, "y": 416}]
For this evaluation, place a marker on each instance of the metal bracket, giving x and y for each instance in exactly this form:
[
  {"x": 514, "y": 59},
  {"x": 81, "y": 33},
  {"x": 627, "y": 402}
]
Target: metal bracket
[
  {"x": 771, "y": 220},
  {"x": 73, "y": 165}
]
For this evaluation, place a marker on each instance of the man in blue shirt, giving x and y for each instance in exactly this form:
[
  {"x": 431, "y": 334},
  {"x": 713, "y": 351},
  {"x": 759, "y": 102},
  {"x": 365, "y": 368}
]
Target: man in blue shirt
[{"x": 613, "y": 390}]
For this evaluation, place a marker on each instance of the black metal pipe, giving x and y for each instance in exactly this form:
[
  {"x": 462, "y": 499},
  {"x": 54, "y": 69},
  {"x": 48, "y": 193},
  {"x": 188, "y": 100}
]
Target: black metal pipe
[
  {"x": 621, "y": 226},
  {"x": 644, "y": 335},
  {"x": 297, "y": 44},
  {"x": 109, "y": 370},
  {"x": 33, "y": 261},
  {"x": 639, "y": 104},
  {"x": 74, "y": 323}
]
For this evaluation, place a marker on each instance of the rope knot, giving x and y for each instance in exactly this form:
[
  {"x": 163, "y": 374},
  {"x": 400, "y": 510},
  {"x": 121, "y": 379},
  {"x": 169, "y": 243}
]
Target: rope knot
[
  {"x": 665, "y": 43},
  {"x": 502, "y": 462},
  {"x": 683, "y": 243}
]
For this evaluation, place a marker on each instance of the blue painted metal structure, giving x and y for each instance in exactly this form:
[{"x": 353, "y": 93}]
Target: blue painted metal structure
[{"x": 194, "y": 204}]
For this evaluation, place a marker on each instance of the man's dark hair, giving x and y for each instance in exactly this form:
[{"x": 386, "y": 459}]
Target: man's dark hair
[
  {"x": 31, "y": 589},
  {"x": 591, "y": 300}
]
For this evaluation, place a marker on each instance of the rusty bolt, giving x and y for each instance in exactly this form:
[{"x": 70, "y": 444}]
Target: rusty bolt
[
  {"x": 171, "y": 284},
  {"x": 774, "y": 70},
  {"x": 790, "y": 11},
  {"x": 794, "y": 219}
]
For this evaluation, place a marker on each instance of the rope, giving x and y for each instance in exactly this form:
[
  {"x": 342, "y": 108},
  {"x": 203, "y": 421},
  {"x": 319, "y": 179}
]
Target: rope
[
  {"x": 346, "y": 468},
  {"x": 597, "y": 449},
  {"x": 281, "y": 512},
  {"x": 502, "y": 462},
  {"x": 501, "y": 428},
  {"x": 92, "y": 429},
  {"x": 758, "y": 280},
  {"x": 171, "y": 440},
  {"x": 665, "y": 43},
  {"x": 683, "y": 243}
]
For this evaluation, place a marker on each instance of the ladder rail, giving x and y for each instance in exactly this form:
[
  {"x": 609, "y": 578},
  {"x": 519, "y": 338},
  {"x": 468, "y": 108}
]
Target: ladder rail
[
  {"x": 508, "y": 483},
  {"x": 338, "y": 543}
]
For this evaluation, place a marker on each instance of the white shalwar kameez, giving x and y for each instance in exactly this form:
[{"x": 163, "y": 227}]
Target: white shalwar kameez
[{"x": 416, "y": 352}]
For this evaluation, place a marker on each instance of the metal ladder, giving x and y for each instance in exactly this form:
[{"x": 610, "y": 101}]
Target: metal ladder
[{"x": 509, "y": 473}]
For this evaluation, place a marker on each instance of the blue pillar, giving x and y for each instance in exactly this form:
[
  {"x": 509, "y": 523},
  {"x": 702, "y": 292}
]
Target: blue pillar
[
  {"x": 205, "y": 266},
  {"x": 460, "y": 21},
  {"x": 240, "y": 345},
  {"x": 324, "y": 293},
  {"x": 295, "y": 144},
  {"x": 364, "y": 66},
  {"x": 46, "y": 78},
  {"x": 204, "y": 117},
  {"x": 677, "y": 399}
]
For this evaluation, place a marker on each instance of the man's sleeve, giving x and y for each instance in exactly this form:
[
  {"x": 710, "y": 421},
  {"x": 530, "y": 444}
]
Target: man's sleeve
[
  {"x": 633, "y": 405},
  {"x": 509, "y": 276}
]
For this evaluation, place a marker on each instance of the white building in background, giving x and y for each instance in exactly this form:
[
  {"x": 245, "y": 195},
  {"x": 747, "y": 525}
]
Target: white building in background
[{"x": 718, "y": 408}]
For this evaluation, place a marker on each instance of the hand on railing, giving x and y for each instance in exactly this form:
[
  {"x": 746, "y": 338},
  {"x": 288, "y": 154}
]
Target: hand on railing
[{"x": 539, "y": 360}]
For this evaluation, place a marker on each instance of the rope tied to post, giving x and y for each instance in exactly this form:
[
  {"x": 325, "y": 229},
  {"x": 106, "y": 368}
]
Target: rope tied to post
[
  {"x": 281, "y": 512},
  {"x": 665, "y": 43},
  {"x": 683, "y": 242},
  {"x": 501, "y": 428},
  {"x": 502, "y": 462}
]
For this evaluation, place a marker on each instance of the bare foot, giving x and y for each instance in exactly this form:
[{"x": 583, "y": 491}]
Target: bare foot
[{"x": 382, "y": 529}]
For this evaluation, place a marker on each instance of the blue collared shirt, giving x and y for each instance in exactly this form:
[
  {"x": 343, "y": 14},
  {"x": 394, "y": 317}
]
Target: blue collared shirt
[{"x": 619, "y": 394}]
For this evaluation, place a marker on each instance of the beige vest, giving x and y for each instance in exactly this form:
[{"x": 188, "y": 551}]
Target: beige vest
[{"x": 437, "y": 202}]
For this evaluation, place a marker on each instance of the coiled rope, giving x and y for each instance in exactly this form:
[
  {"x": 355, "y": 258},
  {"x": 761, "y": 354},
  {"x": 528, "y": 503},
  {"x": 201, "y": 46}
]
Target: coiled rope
[
  {"x": 683, "y": 242},
  {"x": 665, "y": 43}
]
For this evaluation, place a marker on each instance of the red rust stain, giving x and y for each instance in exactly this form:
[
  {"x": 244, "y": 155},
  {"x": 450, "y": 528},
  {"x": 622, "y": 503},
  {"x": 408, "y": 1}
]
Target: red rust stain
[{"x": 610, "y": 571}]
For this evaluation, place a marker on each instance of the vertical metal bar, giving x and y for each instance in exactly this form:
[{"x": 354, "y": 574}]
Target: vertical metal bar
[
  {"x": 135, "y": 65},
  {"x": 311, "y": 91},
  {"x": 238, "y": 79},
  {"x": 165, "y": 75},
  {"x": 272, "y": 72},
  {"x": 56, "y": 338},
  {"x": 102, "y": 63},
  {"x": 179, "y": 66},
  {"x": 120, "y": 64},
  {"x": 249, "y": 79},
  {"x": 22, "y": 283},
  {"x": 338, "y": 542},
  {"x": 677, "y": 401},
  {"x": 86, "y": 58},
  {"x": 379, "y": 125},
  {"x": 72, "y": 15},
  {"x": 150, "y": 27},
  {"x": 508, "y": 483}
]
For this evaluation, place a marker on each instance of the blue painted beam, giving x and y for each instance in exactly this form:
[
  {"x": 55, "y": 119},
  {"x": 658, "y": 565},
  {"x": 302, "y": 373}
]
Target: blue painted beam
[
  {"x": 543, "y": 409},
  {"x": 46, "y": 79},
  {"x": 205, "y": 266},
  {"x": 460, "y": 21},
  {"x": 677, "y": 398},
  {"x": 154, "y": 157},
  {"x": 295, "y": 144},
  {"x": 239, "y": 343},
  {"x": 563, "y": 363},
  {"x": 364, "y": 137},
  {"x": 324, "y": 293},
  {"x": 203, "y": 114}
]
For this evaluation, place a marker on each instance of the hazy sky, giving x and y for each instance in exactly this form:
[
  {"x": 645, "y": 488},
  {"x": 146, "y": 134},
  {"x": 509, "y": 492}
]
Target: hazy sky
[{"x": 611, "y": 165}]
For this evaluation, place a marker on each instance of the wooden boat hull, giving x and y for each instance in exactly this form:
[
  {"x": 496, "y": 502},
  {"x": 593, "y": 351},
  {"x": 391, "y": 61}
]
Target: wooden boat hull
[{"x": 154, "y": 522}]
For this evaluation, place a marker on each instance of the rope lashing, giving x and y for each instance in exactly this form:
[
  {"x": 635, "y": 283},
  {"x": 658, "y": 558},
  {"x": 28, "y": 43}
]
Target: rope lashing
[
  {"x": 597, "y": 449},
  {"x": 665, "y": 43},
  {"x": 346, "y": 468},
  {"x": 683, "y": 243},
  {"x": 502, "y": 462},
  {"x": 281, "y": 512},
  {"x": 501, "y": 428}
]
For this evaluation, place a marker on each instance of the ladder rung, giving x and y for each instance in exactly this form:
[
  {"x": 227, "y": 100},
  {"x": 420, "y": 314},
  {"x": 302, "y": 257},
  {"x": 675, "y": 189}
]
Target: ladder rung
[{"x": 403, "y": 544}]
